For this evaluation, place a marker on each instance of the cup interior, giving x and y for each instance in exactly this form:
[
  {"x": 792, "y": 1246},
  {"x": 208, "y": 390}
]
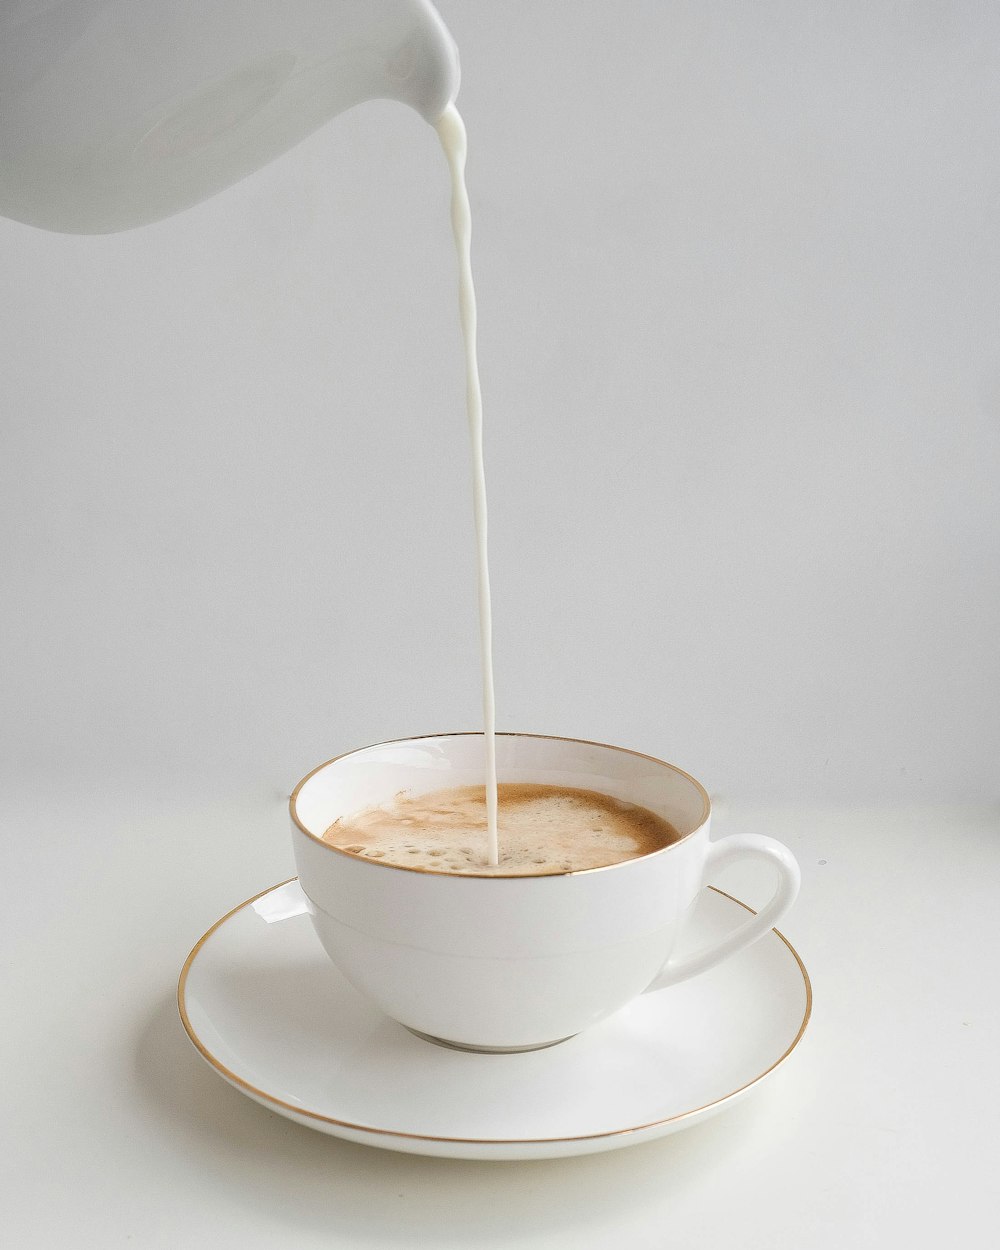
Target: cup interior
[{"x": 375, "y": 774}]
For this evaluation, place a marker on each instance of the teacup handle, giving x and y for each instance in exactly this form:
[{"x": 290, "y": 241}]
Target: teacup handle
[{"x": 727, "y": 851}]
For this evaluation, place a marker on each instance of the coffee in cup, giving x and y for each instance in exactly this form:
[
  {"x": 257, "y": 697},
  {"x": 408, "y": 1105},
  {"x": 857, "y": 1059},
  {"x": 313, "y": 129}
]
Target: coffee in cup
[
  {"x": 497, "y": 961},
  {"x": 545, "y": 829}
]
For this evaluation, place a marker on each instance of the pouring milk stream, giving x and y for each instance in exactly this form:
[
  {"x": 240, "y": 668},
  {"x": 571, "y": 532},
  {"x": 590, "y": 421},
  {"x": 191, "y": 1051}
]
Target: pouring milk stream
[{"x": 451, "y": 129}]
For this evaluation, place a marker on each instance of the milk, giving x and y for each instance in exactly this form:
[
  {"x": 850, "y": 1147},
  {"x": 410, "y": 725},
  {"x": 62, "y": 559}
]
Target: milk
[{"x": 451, "y": 131}]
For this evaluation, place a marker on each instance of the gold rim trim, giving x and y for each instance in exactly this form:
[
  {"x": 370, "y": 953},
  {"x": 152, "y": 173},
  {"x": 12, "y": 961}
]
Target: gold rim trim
[
  {"x": 238, "y": 1081},
  {"x": 706, "y": 809}
]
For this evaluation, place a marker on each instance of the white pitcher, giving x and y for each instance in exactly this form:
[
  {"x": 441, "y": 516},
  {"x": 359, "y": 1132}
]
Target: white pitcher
[{"x": 116, "y": 113}]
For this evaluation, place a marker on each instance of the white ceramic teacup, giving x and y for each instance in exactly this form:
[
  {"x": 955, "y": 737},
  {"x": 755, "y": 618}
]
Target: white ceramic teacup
[{"x": 496, "y": 963}]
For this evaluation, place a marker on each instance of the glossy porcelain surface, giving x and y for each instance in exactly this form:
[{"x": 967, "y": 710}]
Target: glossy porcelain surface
[
  {"x": 115, "y": 113},
  {"x": 270, "y": 1013},
  {"x": 499, "y": 963}
]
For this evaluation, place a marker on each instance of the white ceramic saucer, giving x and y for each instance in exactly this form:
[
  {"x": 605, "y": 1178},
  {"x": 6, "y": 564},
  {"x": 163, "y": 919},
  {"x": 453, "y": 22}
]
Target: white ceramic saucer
[{"x": 266, "y": 1008}]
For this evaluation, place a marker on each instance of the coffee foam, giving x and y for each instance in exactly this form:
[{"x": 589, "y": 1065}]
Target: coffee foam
[{"x": 545, "y": 829}]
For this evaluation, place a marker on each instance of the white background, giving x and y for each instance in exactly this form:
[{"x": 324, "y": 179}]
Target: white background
[{"x": 739, "y": 273}]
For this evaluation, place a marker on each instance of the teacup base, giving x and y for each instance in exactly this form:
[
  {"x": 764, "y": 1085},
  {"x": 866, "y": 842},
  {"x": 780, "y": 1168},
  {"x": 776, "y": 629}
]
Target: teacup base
[{"x": 485, "y": 1050}]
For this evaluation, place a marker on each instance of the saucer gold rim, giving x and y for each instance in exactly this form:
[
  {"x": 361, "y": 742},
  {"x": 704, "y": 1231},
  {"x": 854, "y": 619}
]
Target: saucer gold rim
[{"x": 374, "y": 1131}]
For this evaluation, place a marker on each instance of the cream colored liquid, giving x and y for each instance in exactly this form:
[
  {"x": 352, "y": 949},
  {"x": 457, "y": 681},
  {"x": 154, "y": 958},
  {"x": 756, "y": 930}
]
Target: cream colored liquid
[
  {"x": 451, "y": 130},
  {"x": 546, "y": 830}
]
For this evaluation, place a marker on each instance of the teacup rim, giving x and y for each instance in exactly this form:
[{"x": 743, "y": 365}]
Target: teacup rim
[{"x": 496, "y": 876}]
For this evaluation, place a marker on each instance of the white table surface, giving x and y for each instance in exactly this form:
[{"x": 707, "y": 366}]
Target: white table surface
[{"x": 881, "y": 1128}]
